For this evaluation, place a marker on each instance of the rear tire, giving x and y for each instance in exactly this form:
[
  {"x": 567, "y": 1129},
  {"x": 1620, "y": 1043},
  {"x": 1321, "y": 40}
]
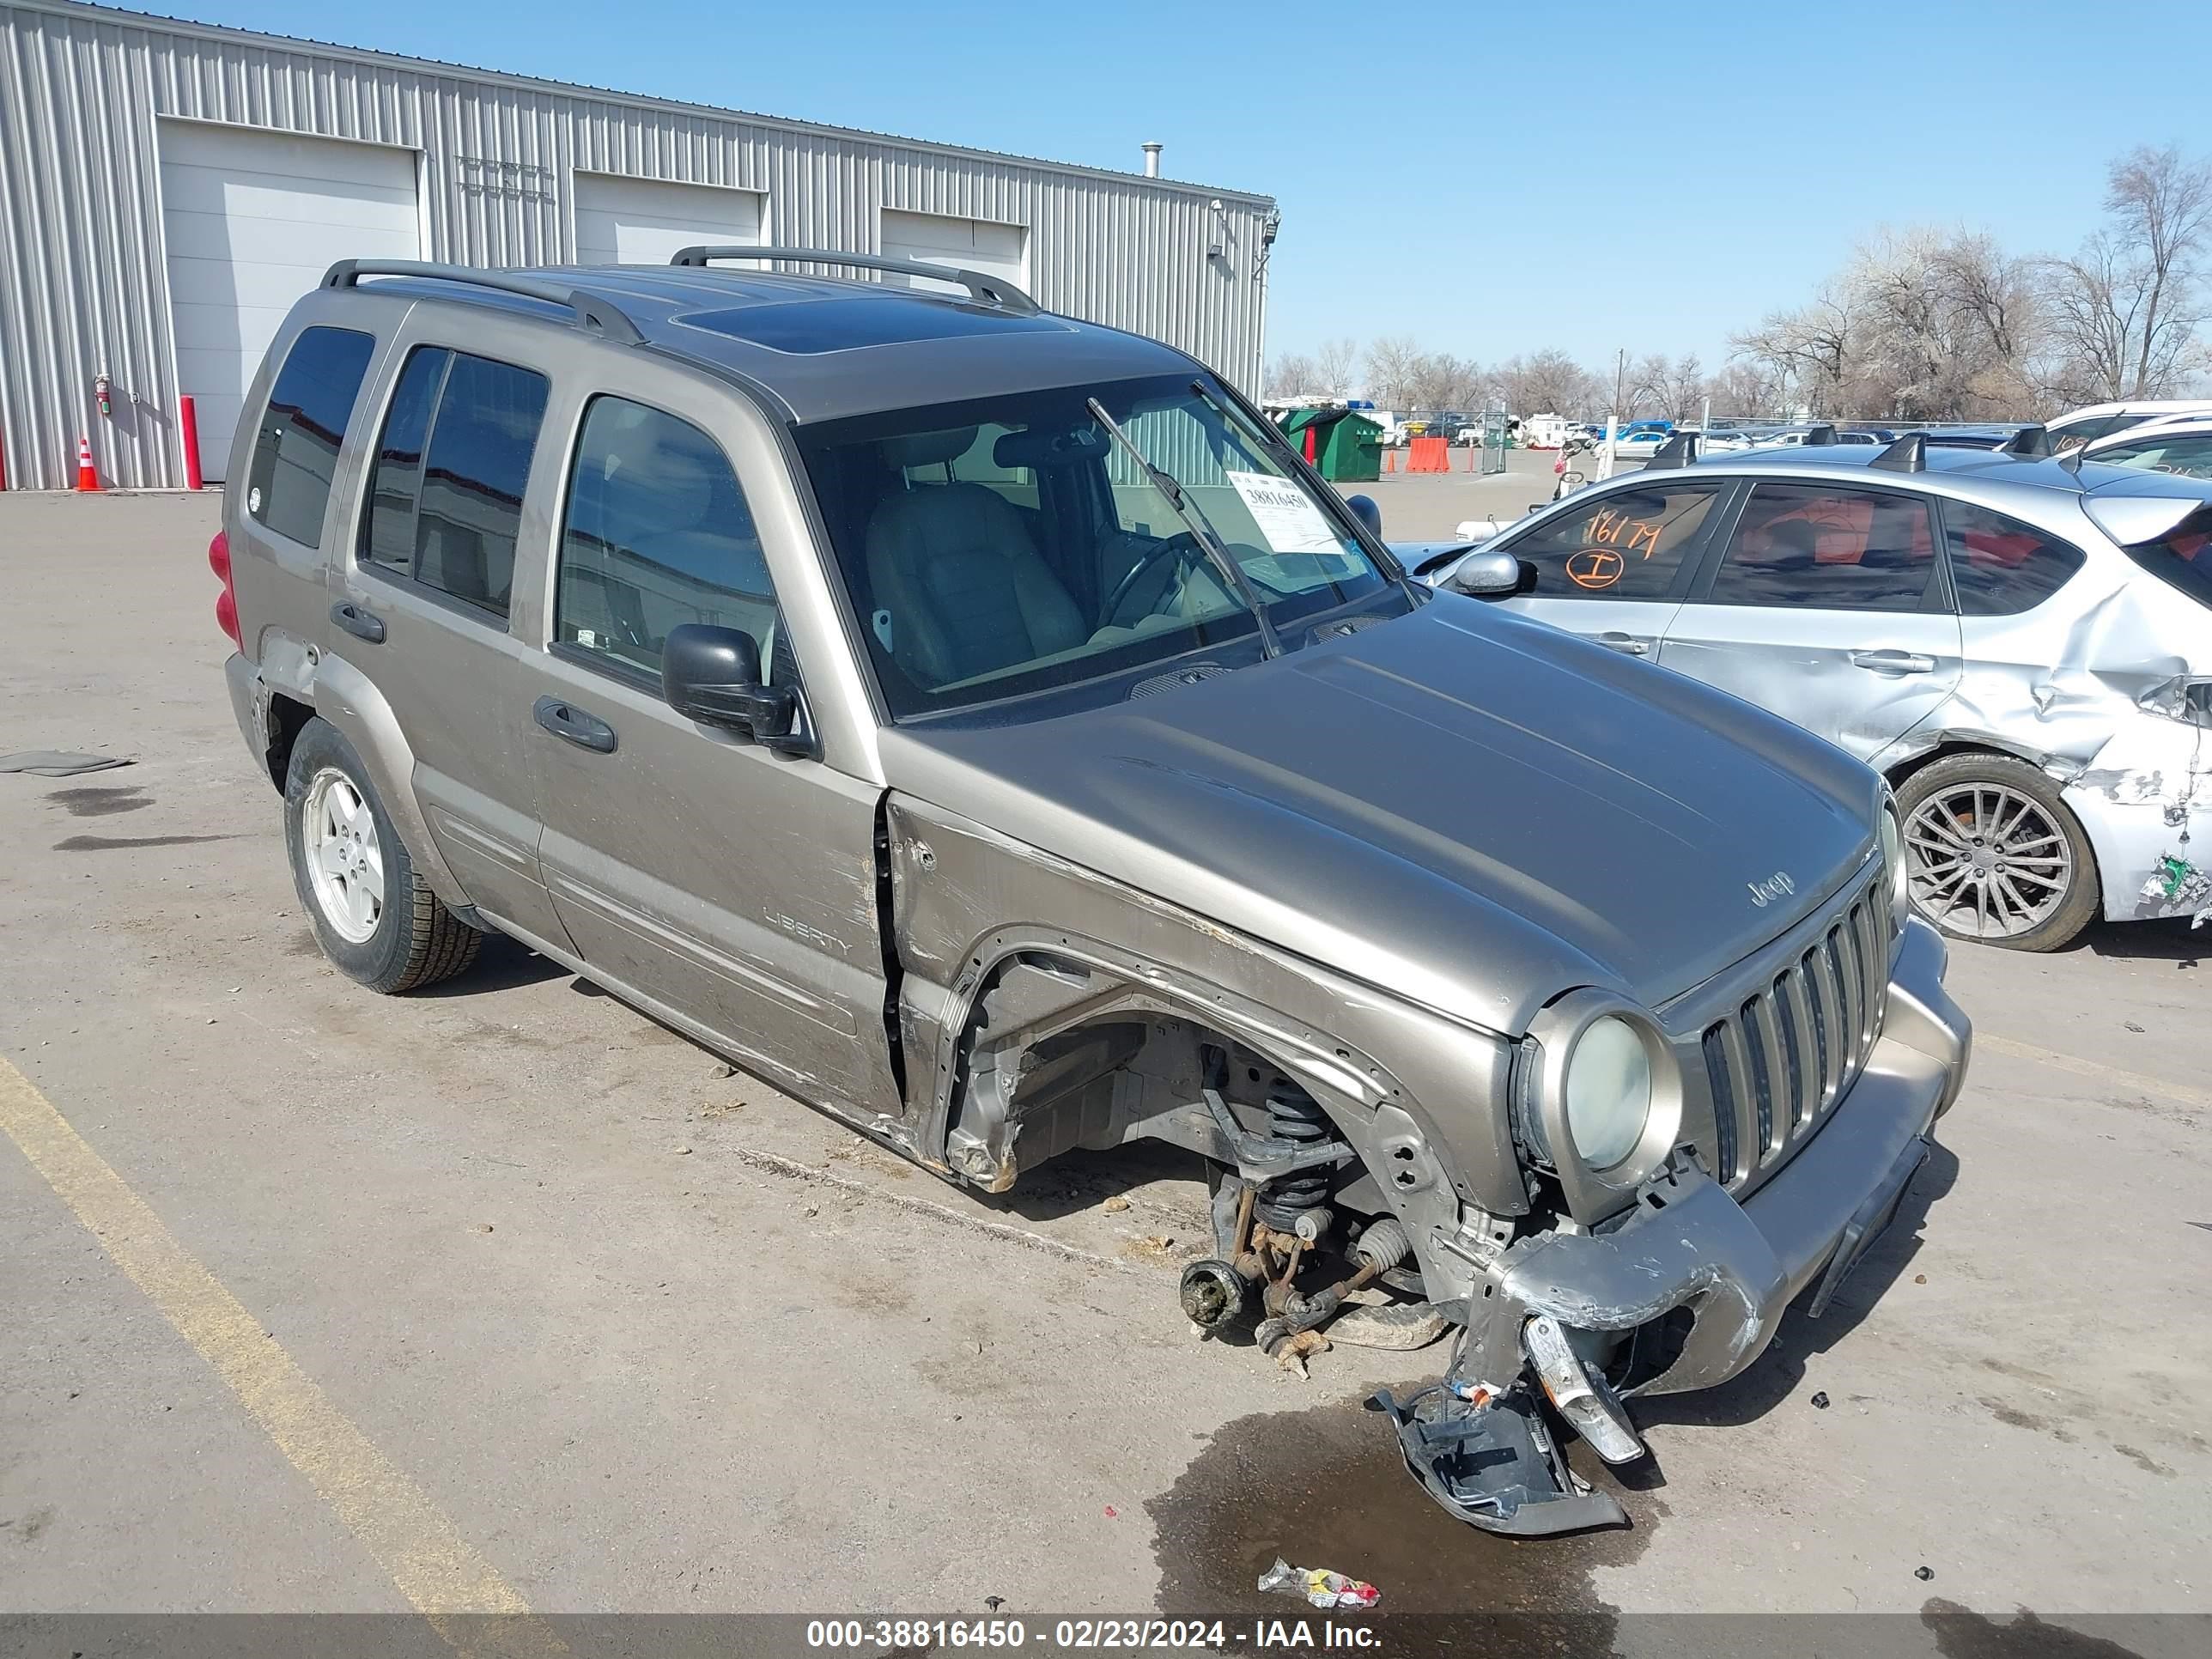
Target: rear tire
[
  {"x": 1993, "y": 854},
  {"x": 374, "y": 916}
]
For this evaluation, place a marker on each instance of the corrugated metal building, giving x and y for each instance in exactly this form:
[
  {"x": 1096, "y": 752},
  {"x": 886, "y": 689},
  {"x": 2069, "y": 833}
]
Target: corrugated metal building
[{"x": 168, "y": 189}]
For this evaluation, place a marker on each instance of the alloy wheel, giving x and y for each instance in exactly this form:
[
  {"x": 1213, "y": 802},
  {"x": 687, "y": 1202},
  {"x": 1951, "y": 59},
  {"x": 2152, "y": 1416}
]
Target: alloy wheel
[
  {"x": 1985, "y": 860},
  {"x": 345, "y": 865}
]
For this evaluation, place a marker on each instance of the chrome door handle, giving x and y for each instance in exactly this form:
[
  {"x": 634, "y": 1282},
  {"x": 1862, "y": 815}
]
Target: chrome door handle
[
  {"x": 565, "y": 720},
  {"x": 1893, "y": 662},
  {"x": 1627, "y": 644}
]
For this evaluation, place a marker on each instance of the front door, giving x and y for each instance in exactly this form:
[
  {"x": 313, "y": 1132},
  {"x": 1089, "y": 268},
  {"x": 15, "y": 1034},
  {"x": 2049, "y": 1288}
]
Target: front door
[
  {"x": 1613, "y": 568},
  {"x": 1824, "y": 607},
  {"x": 730, "y": 888}
]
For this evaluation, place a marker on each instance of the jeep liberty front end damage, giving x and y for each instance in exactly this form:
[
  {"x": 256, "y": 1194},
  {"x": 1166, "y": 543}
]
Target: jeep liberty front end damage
[
  {"x": 1603, "y": 1191},
  {"x": 981, "y": 725}
]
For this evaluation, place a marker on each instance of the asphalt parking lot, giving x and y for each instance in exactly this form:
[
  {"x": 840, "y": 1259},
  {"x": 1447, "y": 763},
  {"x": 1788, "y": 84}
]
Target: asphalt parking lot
[{"x": 321, "y": 1301}]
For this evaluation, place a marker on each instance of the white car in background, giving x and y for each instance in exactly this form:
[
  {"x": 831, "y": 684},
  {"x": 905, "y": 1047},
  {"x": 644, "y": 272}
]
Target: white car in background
[
  {"x": 1722, "y": 441},
  {"x": 2095, "y": 421},
  {"x": 2182, "y": 446}
]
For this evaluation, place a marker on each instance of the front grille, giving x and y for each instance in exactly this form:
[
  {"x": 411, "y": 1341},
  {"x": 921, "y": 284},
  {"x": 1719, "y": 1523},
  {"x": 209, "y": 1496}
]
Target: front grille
[{"x": 1778, "y": 1060}]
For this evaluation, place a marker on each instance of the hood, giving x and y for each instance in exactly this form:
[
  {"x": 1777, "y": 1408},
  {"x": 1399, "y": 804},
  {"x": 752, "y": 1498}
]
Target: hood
[{"x": 1472, "y": 809}]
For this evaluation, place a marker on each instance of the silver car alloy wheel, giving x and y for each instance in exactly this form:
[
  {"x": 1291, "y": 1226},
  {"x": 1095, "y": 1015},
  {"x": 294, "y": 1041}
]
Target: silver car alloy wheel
[
  {"x": 344, "y": 862},
  {"x": 1985, "y": 861}
]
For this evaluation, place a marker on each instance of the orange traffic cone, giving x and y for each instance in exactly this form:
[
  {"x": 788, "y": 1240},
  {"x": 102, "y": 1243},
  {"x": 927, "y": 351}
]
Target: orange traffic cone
[{"x": 87, "y": 481}]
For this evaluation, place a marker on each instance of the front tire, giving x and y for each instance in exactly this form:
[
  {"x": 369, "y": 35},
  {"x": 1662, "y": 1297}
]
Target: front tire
[
  {"x": 376, "y": 919},
  {"x": 1993, "y": 854}
]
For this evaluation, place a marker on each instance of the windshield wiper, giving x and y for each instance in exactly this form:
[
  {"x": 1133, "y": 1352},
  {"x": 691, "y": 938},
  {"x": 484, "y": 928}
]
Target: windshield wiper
[
  {"x": 1201, "y": 530},
  {"x": 1270, "y": 434}
]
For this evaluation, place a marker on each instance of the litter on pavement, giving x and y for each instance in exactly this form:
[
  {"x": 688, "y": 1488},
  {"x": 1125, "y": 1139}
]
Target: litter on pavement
[{"x": 1319, "y": 1586}]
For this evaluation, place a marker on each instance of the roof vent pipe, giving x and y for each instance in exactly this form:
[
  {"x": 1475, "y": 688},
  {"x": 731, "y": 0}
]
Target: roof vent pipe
[{"x": 1152, "y": 160}]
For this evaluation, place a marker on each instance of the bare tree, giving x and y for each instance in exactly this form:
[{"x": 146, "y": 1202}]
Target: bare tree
[
  {"x": 2124, "y": 311},
  {"x": 1809, "y": 350},
  {"x": 1742, "y": 391},
  {"x": 1665, "y": 386},
  {"x": 1390, "y": 365},
  {"x": 1547, "y": 382},
  {"x": 1335, "y": 363},
  {"x": 1293, "y": 376}
]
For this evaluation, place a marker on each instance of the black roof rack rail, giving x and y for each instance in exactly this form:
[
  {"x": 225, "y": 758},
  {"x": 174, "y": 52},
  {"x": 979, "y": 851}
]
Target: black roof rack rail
[
  {"x": 1681, "y": 450},
  {"x": 2030, "y": 442},
  {"x": 1908, "y": 454},
  {"x": 592, "y": 311},
  {"x": 1823, "y": 434},
  {"x": 984, "y": 290}
]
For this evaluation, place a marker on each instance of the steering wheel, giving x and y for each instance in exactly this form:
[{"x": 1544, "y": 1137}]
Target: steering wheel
[{"x": 1180, "y": 544}]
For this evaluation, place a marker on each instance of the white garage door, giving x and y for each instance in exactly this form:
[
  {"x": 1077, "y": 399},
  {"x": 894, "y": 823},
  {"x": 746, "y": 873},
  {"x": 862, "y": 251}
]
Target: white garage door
[
  {"x": 252, "y": 220},
  {"x": 978, "y": 245},
  {"x": 642, "y": 222}
]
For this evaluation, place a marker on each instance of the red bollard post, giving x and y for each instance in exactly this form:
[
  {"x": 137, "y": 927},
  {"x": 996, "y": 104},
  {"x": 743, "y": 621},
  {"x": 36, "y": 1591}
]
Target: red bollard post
[{"x": 188, "y": 427}]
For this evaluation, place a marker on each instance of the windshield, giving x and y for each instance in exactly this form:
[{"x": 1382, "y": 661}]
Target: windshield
[
  {"x": 1012, "y": 544},
  {"x": 2187, "y": 454}
]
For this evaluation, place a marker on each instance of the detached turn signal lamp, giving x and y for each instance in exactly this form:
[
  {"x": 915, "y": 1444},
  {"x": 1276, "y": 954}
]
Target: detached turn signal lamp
[{"x": 1597, "y": 1417}]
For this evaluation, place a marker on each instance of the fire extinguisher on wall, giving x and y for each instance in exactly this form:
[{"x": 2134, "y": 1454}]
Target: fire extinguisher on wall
[{"x": 103, "y": 391}]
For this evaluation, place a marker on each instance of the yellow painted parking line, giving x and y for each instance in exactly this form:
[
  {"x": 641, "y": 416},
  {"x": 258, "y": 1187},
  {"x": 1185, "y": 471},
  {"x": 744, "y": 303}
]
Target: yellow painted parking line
[
  {"x": 410, "y": 1537},
  {"x": 2141, "y": 1082}
]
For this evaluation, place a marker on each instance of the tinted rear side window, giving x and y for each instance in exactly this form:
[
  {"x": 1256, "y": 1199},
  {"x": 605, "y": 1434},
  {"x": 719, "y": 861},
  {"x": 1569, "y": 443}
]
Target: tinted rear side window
[
  {"x": 296, "y": 451},
  {"x": 452, "y": 466},
  {"x": 2000, "y": 566},
  {"x": 1828, "y": 548}
]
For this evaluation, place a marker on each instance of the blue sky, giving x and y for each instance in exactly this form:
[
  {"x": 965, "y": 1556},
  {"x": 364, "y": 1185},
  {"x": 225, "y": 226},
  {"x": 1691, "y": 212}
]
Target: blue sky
[{"x": 1488, "y": 178}]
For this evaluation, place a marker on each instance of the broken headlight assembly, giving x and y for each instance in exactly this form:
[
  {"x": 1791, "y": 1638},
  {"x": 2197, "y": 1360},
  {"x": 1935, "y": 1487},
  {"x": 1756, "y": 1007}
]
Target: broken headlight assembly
[{"x": 1597, "y": 1098}]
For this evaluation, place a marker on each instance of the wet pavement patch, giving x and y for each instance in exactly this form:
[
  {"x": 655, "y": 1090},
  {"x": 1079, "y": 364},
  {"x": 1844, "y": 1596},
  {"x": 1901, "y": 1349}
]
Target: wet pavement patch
[
  {"x": 93, "y": 801},
  {"x": 1328, "y": 1488}
]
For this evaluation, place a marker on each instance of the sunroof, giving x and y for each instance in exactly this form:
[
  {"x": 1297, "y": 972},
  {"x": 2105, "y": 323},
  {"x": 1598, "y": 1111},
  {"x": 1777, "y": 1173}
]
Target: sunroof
[{"x": 810, "y": 327}]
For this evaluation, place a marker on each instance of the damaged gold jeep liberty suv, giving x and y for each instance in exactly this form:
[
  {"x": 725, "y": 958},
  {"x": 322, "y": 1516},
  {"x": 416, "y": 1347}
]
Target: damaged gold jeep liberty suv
[{"x": 981, "y": 724}]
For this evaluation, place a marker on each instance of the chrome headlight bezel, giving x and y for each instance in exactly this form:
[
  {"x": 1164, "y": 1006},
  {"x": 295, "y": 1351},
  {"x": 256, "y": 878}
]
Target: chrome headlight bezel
[
  {"x": 1548, "y": 1058},
  {"x": 1896, "y": 866}
]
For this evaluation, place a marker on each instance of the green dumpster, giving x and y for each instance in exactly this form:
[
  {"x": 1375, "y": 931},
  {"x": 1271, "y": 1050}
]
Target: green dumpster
[{"x": 1343, "y": 443}]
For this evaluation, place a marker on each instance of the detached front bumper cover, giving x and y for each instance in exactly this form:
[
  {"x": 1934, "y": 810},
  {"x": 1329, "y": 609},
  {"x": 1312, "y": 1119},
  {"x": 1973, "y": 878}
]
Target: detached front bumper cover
[{"x": 1494, "y": 1464}]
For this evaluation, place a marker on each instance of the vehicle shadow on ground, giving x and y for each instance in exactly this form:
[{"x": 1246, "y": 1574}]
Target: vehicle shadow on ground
[
  {"x": 1777, "y": 1373},
  {"x": 2168, "y": 939},
  {"x": 502, "y": 964}
]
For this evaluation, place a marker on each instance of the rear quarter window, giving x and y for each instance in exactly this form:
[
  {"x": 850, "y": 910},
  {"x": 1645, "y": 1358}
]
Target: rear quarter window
[
  {"x": 295, "y": 448},
  {"x": 1999, "y": 566}
]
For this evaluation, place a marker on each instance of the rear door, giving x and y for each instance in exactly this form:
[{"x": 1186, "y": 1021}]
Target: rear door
[
  {"x": 452, "y": 491},
  {"x": 1823, "y": 604},
  {"x": 1613, "y": 566}
]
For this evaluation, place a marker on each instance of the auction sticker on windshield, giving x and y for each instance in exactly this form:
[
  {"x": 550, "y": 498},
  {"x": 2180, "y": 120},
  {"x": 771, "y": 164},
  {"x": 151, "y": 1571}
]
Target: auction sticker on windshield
[{"x": 1284, "y": 515}]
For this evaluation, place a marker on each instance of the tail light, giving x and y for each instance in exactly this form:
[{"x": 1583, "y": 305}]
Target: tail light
[{"x": 226, "y": 603}]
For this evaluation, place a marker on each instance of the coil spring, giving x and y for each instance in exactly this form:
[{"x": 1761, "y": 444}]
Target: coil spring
[{"x": 1294, "y": 1116}]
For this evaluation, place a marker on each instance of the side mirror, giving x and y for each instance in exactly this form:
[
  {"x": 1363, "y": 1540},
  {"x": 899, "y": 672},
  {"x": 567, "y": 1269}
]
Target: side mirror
[
  {"x": 1363, "y": 509},
  {"x": 1487, "y": 573},
  {"x": 713, "y": 674}
]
